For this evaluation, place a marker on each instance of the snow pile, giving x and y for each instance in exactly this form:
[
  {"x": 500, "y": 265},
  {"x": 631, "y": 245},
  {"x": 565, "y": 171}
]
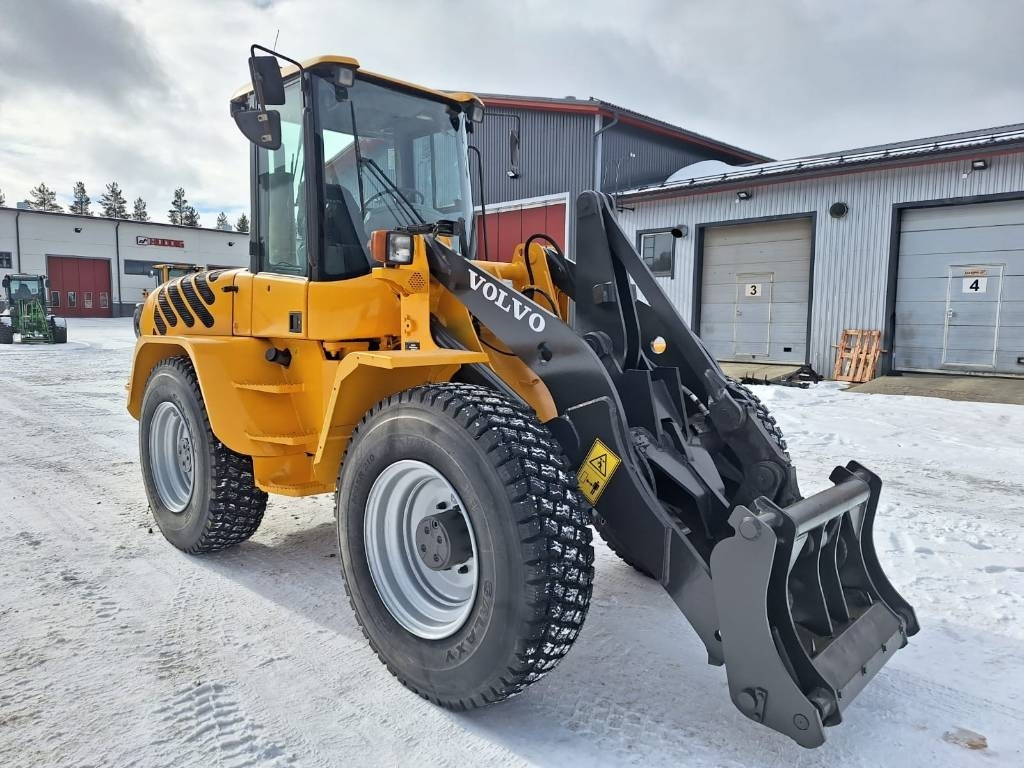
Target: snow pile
[{"x": 116, "y": 649}]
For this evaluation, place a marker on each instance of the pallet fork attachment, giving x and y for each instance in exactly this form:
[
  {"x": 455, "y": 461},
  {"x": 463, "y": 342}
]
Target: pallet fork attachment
[{"x": 686, "y": 471}]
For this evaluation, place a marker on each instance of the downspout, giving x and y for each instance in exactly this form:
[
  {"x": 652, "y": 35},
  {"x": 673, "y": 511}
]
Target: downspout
[
  {"x": 17, "y": 237},
  {"x": 117, "y": 256},
  {"x": 598, "y": 143}
]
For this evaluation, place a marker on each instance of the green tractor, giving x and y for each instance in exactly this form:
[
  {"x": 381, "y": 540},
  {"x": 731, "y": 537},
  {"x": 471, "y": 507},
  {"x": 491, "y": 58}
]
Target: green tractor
[{"x": 27, "y": 314}]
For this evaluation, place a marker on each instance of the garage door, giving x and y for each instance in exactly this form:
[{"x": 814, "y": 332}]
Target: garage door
[
  {"x": 508, "y": 227},
  {"x": 79, "y": 287},
  {"x": 754, "y": 291},
  {"x": 960, "y": 289}
]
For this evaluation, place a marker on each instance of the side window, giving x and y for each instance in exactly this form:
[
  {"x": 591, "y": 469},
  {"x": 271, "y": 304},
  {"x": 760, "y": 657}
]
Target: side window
[
  {"x": 658, "y": 252},
  {"x": 282, "y": 197}
]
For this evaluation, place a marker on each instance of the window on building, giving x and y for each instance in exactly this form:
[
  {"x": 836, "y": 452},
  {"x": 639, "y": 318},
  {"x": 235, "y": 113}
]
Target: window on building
[
  {"x": 5, "y": 260},
  {"x": 55, "y": 299},
  {"x": 72, "y": 299},
  {"x": 658, "y": 251},
  {"x": 104, "y": 300},
  {"x": 87, "y": 300}
]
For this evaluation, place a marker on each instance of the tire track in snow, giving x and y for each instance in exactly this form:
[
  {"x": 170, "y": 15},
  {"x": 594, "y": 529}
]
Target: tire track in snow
[{"x": 203, "y": 714}]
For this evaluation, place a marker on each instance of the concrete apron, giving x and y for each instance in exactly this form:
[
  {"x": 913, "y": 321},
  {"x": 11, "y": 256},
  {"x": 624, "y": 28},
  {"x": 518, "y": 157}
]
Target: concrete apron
[{"x": 979, "y": 389}]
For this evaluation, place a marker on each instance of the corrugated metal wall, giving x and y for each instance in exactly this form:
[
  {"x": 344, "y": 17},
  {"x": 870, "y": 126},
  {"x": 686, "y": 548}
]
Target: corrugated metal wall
[
  {"x": 657, "y": 157},
  {"x": 556, "y": 154},
  {"x": 851, "y": 255}
]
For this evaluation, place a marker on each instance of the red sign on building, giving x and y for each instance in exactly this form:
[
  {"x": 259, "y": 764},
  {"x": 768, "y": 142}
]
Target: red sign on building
[{"x": 161, "y": 241}]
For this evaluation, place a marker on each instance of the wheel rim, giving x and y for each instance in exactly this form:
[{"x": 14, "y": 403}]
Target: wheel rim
[
  {"x": 172, "y": 457},
  {"x": 431, "y": 604}
]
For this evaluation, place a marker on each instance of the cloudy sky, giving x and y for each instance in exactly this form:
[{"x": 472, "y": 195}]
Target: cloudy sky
[{"x": 137, "y": 90}]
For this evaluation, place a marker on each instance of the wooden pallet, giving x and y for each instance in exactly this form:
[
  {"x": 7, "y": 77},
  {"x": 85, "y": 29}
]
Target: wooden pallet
[{"x": 857, "y": 355}]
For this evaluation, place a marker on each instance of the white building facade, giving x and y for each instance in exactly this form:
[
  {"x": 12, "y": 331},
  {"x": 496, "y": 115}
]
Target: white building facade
[
  {"x": 923, "y": 241},
  {"x": 99, "y": 267}
]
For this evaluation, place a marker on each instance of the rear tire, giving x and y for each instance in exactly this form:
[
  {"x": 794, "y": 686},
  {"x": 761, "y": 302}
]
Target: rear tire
[
  {"x": 531, "y": 562},
  {"x": 203, "y": 495},
  {"x": 137, "y": 320},
  {"x": 6, "y": 334}
]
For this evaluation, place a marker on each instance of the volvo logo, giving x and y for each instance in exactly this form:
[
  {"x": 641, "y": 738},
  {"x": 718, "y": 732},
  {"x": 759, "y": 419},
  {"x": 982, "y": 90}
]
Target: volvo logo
[{"x": 506, "y": 302}]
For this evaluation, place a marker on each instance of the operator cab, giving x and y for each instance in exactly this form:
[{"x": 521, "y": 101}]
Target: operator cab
[{"x": 347, "y": 153}]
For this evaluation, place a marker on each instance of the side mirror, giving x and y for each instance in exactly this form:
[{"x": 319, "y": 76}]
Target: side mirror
[
  {"x": 266, "y": 80},
  {"x": 260, "y": 126}
]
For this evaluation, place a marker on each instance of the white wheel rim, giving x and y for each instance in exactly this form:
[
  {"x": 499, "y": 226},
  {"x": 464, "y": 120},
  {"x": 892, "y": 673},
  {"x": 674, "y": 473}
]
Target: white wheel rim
[
  {"x": 430, "y": 604},
  {"x": 172, "y": 457}
]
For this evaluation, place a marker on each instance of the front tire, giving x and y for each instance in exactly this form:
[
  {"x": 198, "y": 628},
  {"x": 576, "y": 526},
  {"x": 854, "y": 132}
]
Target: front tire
[
  {"x": 203, "y": 495},
  {"x": 6, "y": 333},
  {"x": 526, "y": 565}
]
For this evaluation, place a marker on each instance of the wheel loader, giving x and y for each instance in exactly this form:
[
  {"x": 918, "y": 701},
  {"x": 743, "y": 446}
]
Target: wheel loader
[
  {"x": 474, "y": 419},
  {"x": 27, "y": 313},
  {"x": 160, "y": 273}
]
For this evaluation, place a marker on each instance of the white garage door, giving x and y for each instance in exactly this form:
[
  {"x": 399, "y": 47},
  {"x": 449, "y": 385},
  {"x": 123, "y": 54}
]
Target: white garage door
[
  {"x": 960, "y": 289},
  {"x": 754, "y": 291}
]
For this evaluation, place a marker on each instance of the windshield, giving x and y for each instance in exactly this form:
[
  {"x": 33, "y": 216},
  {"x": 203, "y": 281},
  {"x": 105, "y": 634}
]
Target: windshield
[
  {"x": 24, "y": 289},
  {"x": 395, "y": 159}
]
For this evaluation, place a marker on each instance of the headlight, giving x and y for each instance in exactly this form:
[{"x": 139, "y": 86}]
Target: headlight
[
  {"x": 391, "y": 248},
  {"x": 399, "y": 248}
]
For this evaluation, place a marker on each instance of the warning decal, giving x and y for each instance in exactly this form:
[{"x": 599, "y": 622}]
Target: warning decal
[{"x": 596, "y": 471}]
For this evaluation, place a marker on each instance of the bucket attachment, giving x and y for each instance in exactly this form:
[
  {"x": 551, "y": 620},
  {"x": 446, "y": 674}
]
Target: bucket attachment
[{"x": 806, "y": 614}]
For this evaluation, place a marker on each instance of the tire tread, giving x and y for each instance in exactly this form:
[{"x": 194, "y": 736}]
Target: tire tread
[{"x": 552, "y": 518}]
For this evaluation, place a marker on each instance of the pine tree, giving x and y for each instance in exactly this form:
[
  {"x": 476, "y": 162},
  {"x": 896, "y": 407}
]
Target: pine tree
[
  {"x": 80, "y": 200},
  {"x": 3, "y": 200},
  {"x": 242, "y": 225},
  {"x": 222, "y": 221},
  {"x": 190, "y": 218},
  {"x": 42, "y": 198},
  {"x": 140, "y": 214},
  {"x": 178, "y": 207},
  {"x": 113, "y": 203}
]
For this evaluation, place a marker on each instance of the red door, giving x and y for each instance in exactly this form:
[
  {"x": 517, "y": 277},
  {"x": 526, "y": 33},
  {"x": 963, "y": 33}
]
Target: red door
[
  {"x": 509, "y": 227},
  {"x": 79, "y": 287}
]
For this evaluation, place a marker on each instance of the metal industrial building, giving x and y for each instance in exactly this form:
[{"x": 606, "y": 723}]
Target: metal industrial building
[
  {"x": 922, "y": 240},
  {"x": 98, "y": 267},
  {"x": 566, "y": 146}
]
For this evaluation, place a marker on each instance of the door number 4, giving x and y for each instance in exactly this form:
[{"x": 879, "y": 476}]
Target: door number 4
[{"x": 975, "y": 284}]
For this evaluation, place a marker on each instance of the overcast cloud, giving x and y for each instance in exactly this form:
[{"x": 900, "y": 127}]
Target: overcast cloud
[{"x": 137, "y": 90}]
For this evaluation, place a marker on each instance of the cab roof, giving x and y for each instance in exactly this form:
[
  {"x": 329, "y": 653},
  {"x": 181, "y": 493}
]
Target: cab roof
[{"x": 455, "y": 97}]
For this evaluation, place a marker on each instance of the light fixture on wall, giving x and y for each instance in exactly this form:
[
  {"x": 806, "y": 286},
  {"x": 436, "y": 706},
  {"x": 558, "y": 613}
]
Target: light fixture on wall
[
  {"x": 680, "y": 231},
  {"x": 230, "y": 243},
  {"x": 743, "y": 195},
  {"x": 78, "y": 229},
  {"x": 981, "y": 164}
]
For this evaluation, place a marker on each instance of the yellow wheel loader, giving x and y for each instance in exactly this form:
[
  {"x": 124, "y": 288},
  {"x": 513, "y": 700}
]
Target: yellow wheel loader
[
  {"x": 160, "y": 273},
  {"x": 471, "y": 433}
]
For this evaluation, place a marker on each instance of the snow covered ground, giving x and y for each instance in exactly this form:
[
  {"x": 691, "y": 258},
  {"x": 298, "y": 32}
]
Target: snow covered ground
[{"x": 116, "y": 649}]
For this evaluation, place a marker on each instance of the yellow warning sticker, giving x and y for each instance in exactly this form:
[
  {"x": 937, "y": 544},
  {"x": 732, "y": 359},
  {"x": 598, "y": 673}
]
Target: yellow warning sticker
[{"x": 596, "y": 471}]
